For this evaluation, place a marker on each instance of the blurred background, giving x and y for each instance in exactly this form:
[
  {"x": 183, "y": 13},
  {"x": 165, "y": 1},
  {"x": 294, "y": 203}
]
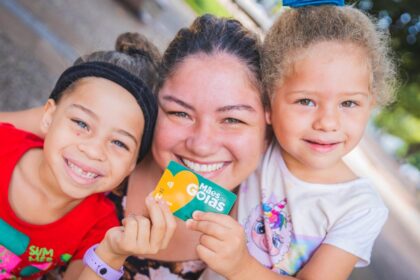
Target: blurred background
[{"x": 39, "y": 39}]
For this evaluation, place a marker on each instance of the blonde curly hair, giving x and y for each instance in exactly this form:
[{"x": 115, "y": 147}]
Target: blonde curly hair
[{"x": 298, "y": 29}]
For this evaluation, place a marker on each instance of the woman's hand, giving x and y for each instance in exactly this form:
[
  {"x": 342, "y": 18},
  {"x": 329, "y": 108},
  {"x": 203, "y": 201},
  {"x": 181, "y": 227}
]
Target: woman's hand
[{"x": 223, "y": 244}]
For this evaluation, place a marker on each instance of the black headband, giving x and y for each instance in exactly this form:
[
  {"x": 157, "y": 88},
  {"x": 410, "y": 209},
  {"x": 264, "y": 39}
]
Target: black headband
[{"x": 144, "y": 96}]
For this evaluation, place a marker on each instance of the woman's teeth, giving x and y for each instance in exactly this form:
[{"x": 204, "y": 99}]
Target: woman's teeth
[{"x": 197, "y": 167}]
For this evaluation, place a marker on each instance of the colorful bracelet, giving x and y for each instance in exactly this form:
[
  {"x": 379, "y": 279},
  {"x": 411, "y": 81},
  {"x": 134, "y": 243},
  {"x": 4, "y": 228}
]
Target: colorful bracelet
[{"x": 102, "y": 269}]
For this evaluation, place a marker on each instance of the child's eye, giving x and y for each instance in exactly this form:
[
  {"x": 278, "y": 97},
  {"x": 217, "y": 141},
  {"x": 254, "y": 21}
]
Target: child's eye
[
  {"x": 349, "y": 104},
  {"x": 306, "y": 102},
  {"x": 120, "y": 144},
  {"x": 80, "y": 124}
]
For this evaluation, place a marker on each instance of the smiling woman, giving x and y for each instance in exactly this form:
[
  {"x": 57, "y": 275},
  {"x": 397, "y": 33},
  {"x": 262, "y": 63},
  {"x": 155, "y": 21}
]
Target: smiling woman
[
  {"x": 212, "y": 119},
  {"x": 210, "y": 128}
]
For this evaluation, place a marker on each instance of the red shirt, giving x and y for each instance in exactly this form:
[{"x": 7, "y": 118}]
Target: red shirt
[{"x": 28, "y": 250}]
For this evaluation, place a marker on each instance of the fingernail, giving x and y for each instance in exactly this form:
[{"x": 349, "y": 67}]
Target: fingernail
[
  {"x": 197, "y": 213},
  {"x": 149, "y": 199},
  {"x": 162, "y": 202}
]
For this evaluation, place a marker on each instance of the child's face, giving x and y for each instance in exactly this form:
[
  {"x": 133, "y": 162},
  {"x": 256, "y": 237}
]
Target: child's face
[
  {"x": 211, "y": 120},
  {"x": 92, "y": 138},
  {"x": 321, "y": 110}
]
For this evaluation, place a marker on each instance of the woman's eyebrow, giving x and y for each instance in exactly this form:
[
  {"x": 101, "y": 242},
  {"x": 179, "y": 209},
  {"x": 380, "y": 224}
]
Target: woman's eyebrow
[
  {"x": 178, "y": 101},
  {"x": 238, "y": 107}
]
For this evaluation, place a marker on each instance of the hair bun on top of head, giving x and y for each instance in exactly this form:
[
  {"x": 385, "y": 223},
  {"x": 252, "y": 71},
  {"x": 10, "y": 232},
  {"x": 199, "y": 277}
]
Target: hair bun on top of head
[
  {"x": 133, "y": 43},
  {"x": 303, "y": 3}
]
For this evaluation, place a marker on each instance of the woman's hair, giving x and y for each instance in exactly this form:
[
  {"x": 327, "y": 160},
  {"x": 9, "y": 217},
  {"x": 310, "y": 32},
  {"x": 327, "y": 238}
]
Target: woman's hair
[
  {"x": 211, "y": 35},
  {"x": 298, "y": 29},
  {"x": 135, "y": 54}
]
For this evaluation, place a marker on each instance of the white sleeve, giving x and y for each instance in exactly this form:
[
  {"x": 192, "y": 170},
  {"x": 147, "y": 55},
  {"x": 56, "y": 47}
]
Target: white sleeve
[{"x": 357, "y": 232}]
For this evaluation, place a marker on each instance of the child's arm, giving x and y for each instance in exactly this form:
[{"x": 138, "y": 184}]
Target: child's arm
[
  {"x": 29, "y": 120},
  {"x": 138, "y": 236},
  {"x": 223, "y": 247}
]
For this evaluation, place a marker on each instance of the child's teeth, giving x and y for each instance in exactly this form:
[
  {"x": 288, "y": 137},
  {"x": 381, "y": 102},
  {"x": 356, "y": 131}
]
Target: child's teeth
[{"x": 80, "y": 172}]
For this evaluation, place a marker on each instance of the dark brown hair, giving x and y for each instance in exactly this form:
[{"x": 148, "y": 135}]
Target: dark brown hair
[{"x": 211, "y": 35}]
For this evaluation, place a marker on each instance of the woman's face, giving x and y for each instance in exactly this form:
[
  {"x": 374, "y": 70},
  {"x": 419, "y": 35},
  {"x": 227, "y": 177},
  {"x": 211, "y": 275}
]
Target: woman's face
[{"x": 211, "y": 119}]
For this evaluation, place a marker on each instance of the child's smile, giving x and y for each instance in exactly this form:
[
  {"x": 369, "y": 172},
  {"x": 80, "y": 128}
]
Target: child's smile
[
  {"x": 322, "y": 146},
  {"x": 88, "y": 149},
  {"x": 81, "y": 173}
]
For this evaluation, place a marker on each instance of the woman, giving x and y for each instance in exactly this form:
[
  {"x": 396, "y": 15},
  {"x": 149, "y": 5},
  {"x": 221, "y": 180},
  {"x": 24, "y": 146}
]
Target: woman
[{"x": 212, "y": 119}]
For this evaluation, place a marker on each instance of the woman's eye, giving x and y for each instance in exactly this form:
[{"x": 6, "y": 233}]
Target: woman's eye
[
  {"x": 349, "y": 104},
  {"x": 306, "y": 102},
  {"x": 80, "y": 124},
  {"x": 232, "y": 121},
  {"x": 120, "y": 144},
  {"x": 179, "y": 114}
]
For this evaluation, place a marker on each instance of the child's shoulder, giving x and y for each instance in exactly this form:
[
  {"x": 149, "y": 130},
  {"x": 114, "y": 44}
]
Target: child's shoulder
[
  {"x": 14, "y": 142},
  {"x": 9, "y": 132},
  {"x": 366, "y": 192}
]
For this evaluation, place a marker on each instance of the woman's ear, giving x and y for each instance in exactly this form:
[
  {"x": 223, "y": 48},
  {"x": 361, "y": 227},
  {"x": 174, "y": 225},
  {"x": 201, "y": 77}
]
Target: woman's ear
[
  {"x": 268, "y": 116},
  {"x": 48, "y": 115}
]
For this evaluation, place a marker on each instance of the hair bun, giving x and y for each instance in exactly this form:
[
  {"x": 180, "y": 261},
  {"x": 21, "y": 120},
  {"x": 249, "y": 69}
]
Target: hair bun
[{"x": 135, "y": 44}]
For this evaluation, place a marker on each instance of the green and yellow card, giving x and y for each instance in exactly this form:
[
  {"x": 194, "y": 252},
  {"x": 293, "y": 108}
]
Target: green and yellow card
[{"x": 186, "y": 191}]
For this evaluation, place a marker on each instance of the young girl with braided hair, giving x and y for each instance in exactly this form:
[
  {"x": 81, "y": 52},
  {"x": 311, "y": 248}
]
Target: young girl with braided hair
[{"x": 306, "y": 214}]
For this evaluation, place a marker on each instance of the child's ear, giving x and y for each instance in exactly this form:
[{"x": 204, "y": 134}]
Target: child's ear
[
  {"x": 48, "y": 115},
  {"x": 133, "y": 165}
]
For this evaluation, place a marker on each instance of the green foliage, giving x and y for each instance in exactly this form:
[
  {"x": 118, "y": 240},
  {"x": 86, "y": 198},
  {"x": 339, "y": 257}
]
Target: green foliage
[
  {"x": 402, "y": 119},
  {"x": 208, "y": 7}
]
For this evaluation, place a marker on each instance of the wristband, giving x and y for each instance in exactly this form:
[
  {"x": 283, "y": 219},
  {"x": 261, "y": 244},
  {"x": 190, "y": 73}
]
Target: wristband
[{"x": 102, "y": 269}]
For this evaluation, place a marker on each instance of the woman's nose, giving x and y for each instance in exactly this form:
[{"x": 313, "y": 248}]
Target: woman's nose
[{"x": 203, "y": 140}]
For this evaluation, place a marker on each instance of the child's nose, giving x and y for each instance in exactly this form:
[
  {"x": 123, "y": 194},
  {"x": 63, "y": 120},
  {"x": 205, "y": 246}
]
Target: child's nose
[
  {"x": 327, "y": 119},
  {"x": 93, "y": 149},
  {"x": 202, "y": 140}
]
